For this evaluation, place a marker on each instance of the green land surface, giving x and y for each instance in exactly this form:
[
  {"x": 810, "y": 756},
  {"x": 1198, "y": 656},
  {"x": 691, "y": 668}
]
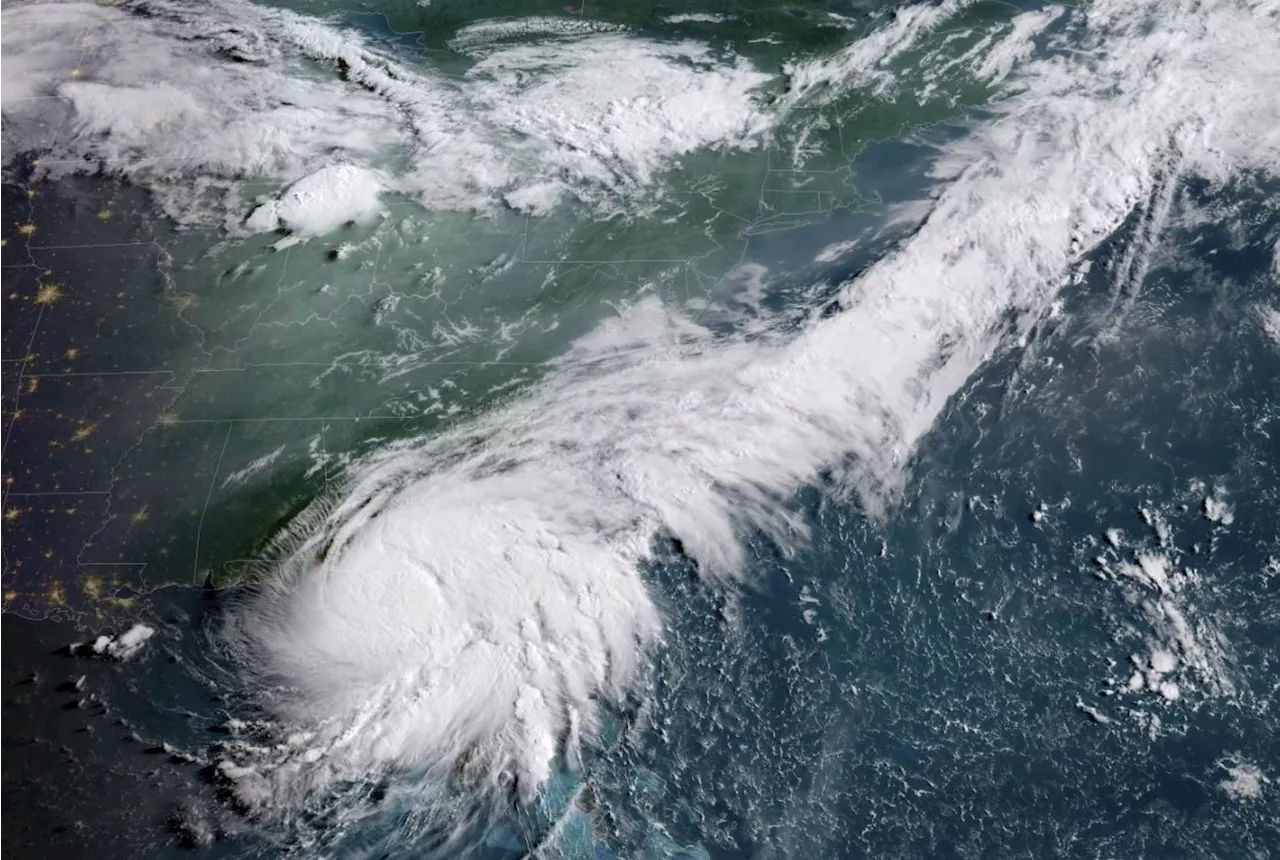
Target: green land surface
[{"x": 172, "y": 397}]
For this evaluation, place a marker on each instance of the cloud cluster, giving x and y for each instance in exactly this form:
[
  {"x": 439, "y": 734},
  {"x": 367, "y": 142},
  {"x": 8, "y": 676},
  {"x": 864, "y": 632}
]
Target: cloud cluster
[
  {"x": 469, "y": 596},
  {"x": 191, "y": 103}
]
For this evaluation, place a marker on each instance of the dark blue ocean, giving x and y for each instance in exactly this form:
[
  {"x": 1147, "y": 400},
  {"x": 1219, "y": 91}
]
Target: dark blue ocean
[{"x": 949, "y": 678}]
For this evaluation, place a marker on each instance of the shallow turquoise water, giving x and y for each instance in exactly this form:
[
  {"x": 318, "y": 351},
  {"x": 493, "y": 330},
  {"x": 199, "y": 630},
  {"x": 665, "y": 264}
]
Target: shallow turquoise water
[{"x": 948, "y": 678}]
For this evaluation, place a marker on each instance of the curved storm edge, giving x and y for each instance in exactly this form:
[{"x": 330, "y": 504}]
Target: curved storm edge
[{"x": 472, "y": 594}]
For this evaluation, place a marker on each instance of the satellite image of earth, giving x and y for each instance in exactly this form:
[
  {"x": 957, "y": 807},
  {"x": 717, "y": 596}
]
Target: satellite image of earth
[{"x": 728, "y": 429}]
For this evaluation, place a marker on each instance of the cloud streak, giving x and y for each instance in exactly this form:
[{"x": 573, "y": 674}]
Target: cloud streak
[{"x": 465, "y": 599}]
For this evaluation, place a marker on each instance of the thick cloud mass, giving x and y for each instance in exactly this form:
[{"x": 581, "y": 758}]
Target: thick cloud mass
[
  {"x": 183, "y": 100},
  {"x": 470, "y": 594},
  {"x": 465, "y": 600}
]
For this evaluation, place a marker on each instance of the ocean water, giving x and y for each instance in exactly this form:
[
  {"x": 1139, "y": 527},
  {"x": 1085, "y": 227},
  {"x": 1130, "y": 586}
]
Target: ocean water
[
  {"x": 904, "y": 685},
  {"x": 1047, "y": 624}
]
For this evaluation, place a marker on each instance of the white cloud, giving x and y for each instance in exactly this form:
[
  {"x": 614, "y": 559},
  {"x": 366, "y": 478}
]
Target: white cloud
[
  {"x": 1270, "y": 317},
  {"x": 158, "y": 100},
  {"x": 468, "y": 596},
  {"x": 321, "y": 202},
  {"x": 697, "y": 18},
  {"x": 1244, "y": 780},
  {"x": 125, "y": 646}
]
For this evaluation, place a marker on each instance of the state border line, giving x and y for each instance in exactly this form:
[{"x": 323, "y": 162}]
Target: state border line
[{"x": 213, "y": 482}]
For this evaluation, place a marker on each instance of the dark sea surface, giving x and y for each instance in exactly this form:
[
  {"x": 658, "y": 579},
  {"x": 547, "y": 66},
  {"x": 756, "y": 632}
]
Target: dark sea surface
[
  {"x": 946, "y": 679},
  {"x": 950, "y": 677}
]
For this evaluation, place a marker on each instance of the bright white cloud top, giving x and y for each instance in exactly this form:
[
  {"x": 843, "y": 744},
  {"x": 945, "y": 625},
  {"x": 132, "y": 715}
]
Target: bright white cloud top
[
  {"x": 588, "y": 111},
  {"x": 470, "y": 595},
  {"x": 464, "y": 601}
]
